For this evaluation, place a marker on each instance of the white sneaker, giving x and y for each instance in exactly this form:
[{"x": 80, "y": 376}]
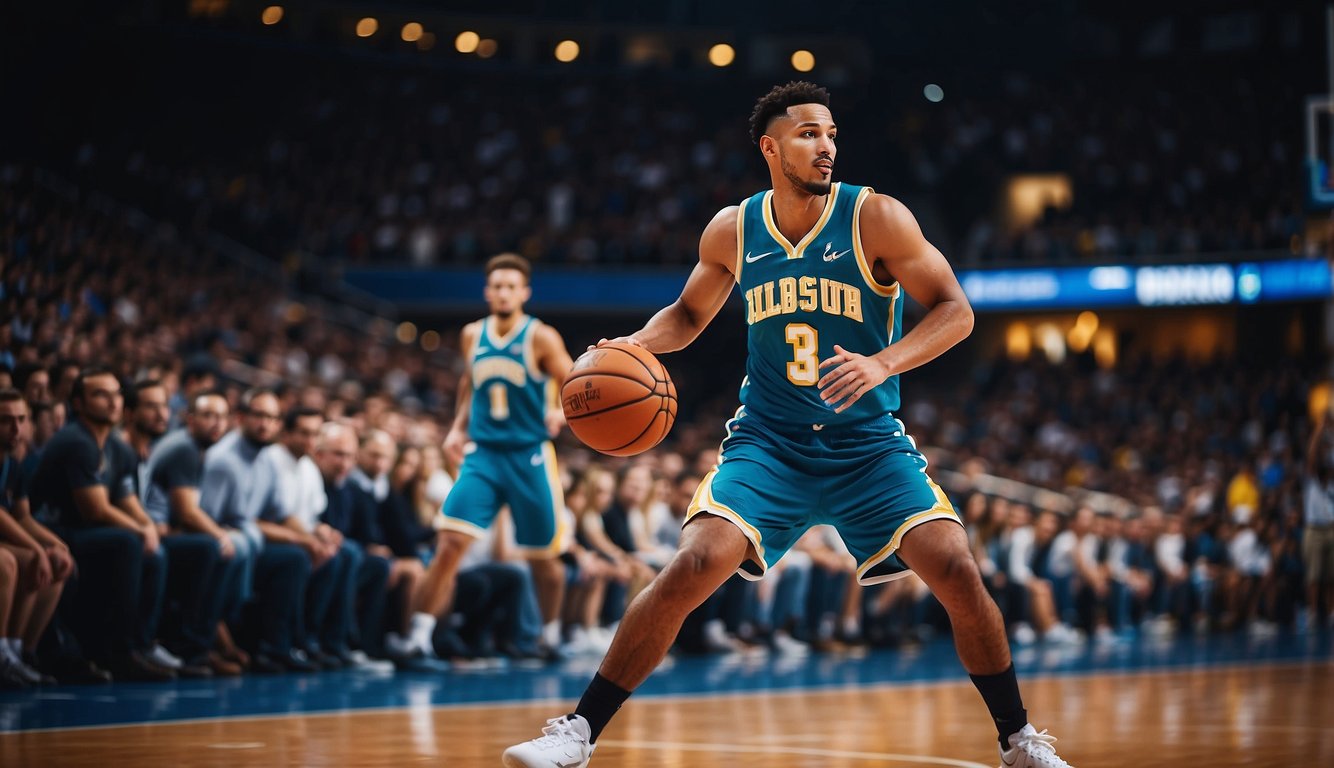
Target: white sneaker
[
  {"x": 1030, "y": 749},
  {"x": 786, "y": 645},
  {"x": 1063, "y": 634},
  {"x": 163, "y": 657},
  {"x": 563, "y": 744},
  {"x": 1024, "y": 634},
  {"x": 399, "y": 646}
]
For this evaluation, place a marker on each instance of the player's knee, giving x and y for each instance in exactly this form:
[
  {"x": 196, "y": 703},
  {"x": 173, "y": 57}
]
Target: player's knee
[
  {"x": 960, "y": 575},
  {"x": 701, "y": 563},
  {"x": 9, "y": 567},
  {"x": 962, "y": 568}
]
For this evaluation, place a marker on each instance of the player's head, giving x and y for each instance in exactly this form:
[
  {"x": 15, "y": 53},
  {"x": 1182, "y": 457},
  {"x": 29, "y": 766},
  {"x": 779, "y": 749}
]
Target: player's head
[
  {"x": 795, "y": 131},
  {"x": 507, "y": 286}
]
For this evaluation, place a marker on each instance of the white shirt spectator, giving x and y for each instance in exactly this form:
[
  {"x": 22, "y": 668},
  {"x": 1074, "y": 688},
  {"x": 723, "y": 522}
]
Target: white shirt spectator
[
  {"x": 1061, "y": 556},
  {"x": 1021, "y": 553},
  {"x": 300, "y": 485}
]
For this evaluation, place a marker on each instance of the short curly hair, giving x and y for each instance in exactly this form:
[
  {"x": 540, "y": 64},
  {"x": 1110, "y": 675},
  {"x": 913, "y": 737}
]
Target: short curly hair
[{"x": 776, "y": 101}]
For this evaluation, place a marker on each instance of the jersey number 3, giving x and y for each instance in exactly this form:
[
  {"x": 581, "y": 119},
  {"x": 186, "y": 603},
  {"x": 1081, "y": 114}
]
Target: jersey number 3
[{"x": 804, "y": 370}]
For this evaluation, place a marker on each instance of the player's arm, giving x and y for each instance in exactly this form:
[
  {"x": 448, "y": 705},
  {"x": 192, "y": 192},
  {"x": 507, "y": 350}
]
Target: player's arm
[
  {"x": 705, "y": 292},
  {"x": 553, "y": 359},
  {"x": 893, "y": 241},
  {"x": 458, "y": 431}
]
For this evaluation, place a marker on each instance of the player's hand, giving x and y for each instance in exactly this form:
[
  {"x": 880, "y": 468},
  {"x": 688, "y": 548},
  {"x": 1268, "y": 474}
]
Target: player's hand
[
  {"x": 854, "y": 376},
  {"x": 617, "y": 340},
  {"x": 226, "y": 547},
  {"x": 453, "y": 448},
  {"x": 555, "y": 419}
]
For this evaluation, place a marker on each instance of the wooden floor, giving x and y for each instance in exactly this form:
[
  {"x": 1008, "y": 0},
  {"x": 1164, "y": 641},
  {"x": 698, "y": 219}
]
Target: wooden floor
[{"x": 1272, "y": 715}]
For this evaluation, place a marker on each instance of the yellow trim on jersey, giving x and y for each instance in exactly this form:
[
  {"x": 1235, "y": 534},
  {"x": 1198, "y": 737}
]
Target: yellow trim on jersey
[
  {"x": 879, "y": 288},
  {"x": 559, "y": 542},
  {"x": 704, "y": 503},
  {"x": 799, "y": 250},
  {"x": 727, "y": 426},
  {"x": 488, "y": 323},
  {"x": 941, "y": 510},
  {"x": 442, "y": 523},
  {"x": 740, "y": 239}
]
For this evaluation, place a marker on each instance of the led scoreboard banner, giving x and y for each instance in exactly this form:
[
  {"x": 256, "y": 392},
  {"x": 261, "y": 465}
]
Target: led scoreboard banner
[
  {"x": 1034, "y": 288},
  {"x": 1147, "y": 286}
]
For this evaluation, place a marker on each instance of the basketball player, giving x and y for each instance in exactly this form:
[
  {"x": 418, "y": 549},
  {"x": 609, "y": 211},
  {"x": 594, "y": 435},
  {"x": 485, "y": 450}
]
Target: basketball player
[
  {"x": 824, "y": 268},
  {"x": 501, "y": 436}
]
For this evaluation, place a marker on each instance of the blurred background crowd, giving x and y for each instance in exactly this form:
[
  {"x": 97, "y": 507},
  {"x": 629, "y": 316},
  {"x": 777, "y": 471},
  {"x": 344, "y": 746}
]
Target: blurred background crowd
[{"x": 174, "y": 328}]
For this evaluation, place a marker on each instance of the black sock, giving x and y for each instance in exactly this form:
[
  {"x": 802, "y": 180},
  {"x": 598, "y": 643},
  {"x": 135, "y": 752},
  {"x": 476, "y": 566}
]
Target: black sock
[
  {"x": 600, "y": 701},
  {"x": 1001, "y": 693}
]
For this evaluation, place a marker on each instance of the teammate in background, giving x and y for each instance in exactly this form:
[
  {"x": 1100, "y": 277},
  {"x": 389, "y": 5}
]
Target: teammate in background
[
  {"x": 823, "y": 267},
  {"x": 507, "y": 413}
]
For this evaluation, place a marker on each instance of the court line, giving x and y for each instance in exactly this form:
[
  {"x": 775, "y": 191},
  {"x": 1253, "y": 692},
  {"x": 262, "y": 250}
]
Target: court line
[
  {"x": 809, "y": 751},
  {"x": 686, "y": 697}
]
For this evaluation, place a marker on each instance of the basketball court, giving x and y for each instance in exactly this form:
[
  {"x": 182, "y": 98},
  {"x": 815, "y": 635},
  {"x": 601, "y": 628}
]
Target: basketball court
[{"x": 1229, "y": 701}]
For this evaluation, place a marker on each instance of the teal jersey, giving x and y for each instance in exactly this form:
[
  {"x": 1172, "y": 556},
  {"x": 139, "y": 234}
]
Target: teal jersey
[
  {"x": 803, "y": 299},
  {"x": 509, "y": 392}
]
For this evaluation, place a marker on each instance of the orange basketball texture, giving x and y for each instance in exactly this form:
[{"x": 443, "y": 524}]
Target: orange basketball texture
[{"x": 619, "y": 399}]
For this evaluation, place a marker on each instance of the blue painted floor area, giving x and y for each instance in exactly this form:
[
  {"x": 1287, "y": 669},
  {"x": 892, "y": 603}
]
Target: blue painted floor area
[{"x": 128, "y": 703}]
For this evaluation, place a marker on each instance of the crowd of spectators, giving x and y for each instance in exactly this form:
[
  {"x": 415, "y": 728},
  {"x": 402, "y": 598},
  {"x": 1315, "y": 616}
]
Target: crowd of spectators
[
  {"x": 1174, "y": 163},
  {"x": 359, "y": 164}
]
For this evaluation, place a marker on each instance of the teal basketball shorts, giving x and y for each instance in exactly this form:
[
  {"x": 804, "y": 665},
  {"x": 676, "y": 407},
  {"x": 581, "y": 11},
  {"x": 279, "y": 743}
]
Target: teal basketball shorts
[
  {"x": 523, "y": 477},
  {"x": 868, "y": 480}
]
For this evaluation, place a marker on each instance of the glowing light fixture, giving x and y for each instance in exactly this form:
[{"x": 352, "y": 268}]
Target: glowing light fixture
[{"x": 722, "y": 55}]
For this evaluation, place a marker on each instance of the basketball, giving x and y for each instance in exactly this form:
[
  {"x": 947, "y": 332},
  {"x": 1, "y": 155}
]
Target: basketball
[{"x": 619, "y": 399}]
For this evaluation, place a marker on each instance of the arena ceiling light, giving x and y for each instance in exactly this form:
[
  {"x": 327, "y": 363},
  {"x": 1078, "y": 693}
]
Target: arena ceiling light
[
  {"x": 412, "y": 32},
  {"x": 567, "y": 51},
  {"x": 803, "y": 60},
  {"x": 722, "y": 55},
  {"x": 367, "y": 27},
  {"x": 467, "y": 41},
  {"x": 272, "y": 15}
]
